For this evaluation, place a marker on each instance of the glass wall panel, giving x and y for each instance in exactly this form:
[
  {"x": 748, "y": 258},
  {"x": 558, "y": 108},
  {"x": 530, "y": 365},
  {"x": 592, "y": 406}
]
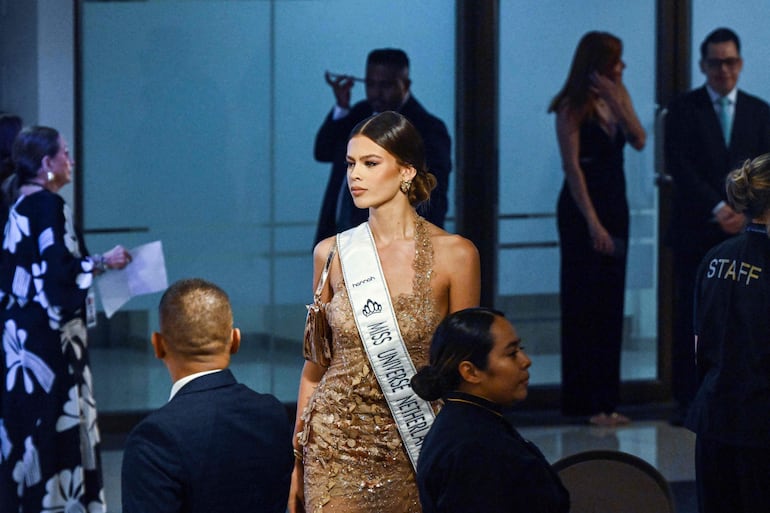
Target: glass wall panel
[
  {"x": 198, "y": 127},
  {"x": 536, "y": 49}
]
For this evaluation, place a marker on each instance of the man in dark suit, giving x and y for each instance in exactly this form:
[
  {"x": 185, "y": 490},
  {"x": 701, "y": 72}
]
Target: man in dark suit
[
  {"x": 216, "y": 446},
  {"x": 387, "y": 88},
  {"x": 709, "y": 131}
]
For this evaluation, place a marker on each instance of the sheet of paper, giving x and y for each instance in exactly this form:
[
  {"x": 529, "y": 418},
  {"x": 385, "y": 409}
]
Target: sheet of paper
[{"x": 144, "y": 275}]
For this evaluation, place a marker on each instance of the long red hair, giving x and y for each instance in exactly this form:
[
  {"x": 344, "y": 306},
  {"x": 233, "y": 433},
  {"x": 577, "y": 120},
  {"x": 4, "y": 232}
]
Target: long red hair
[{"x": 596, "y": 51}]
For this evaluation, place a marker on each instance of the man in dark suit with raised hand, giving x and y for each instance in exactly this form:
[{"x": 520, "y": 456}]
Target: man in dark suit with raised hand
[
  {"x": 387, "y": 88},
  {"x": 709, "y": 132},
  {"x": 216, "y": 446}
]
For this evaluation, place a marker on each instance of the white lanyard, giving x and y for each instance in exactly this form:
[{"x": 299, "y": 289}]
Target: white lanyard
[{"x": 381, "y": 336}]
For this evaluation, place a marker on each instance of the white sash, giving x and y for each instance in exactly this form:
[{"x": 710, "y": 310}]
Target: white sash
[{"x": 381, "y": 336}]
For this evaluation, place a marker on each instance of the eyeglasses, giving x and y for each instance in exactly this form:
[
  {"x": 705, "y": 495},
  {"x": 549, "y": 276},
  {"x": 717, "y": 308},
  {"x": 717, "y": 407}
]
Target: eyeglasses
[{"x": 730, "y": 63}]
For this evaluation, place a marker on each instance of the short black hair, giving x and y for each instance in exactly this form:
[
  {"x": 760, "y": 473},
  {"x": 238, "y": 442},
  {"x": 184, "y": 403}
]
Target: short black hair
[
  {"x": 195, "y": 317},
  {"x": 391, "y": 57},
  {"x": 720, "y": 35}
]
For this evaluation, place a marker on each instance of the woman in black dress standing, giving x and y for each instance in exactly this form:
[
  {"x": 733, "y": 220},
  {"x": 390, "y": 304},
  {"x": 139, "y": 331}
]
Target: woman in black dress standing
[
  {"x": 594, "y": 120},
  {"x": 49, "y": 440}
]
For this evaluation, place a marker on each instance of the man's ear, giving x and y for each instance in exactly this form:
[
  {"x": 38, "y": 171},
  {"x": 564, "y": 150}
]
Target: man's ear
[
  {"x": 236, "y": 341},
  {"x": 702, "y": 64},
  {"x": 469, "y": 372},
  {"x": 159, "y": 345}
]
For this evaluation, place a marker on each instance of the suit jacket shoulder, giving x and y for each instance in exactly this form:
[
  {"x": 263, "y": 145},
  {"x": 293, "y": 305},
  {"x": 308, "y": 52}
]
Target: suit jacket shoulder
[
  {"x": 429, "y": 126},
  {"x": 216, "y": 438},
  {"x": 695, "y": 99},
  {"x": 751, "y": 129},
  {"x": 752, "y": 100},
  {"x": 438, "y": 149},
  {"x": 417, "y": 113},
  {"x": 333, "y": 133}
]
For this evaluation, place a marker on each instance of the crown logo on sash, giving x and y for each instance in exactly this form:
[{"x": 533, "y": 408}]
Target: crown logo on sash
[{"x": 371, "y": 308}]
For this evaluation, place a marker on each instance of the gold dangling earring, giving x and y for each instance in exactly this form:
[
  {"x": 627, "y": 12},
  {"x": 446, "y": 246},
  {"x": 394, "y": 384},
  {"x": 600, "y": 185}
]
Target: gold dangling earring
[{"x": 405, "y": 186}]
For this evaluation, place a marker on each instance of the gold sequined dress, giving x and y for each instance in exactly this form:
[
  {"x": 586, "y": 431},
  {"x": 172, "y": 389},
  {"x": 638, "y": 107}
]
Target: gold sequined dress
[{"x": 354, "y": 458}]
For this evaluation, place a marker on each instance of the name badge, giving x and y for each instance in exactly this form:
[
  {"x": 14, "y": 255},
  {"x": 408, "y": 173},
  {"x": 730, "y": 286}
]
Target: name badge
[{"x": 91, "y": 309}]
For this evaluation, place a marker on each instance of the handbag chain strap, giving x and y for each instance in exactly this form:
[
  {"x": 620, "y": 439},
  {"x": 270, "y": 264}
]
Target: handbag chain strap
[{"x": 325, "y": 273}]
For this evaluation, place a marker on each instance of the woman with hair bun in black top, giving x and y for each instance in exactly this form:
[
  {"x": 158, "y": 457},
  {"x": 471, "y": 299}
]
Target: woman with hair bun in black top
[{"x": 473, "y": 459}]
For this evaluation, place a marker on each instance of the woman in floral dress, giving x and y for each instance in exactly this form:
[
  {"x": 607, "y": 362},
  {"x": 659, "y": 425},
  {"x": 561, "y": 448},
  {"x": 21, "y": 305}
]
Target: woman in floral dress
[{"x": 49, "y": 459}]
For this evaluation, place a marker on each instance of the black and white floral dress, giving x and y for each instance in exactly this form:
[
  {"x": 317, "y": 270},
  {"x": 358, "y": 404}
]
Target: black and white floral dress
[{"x": 49, "y": 459}]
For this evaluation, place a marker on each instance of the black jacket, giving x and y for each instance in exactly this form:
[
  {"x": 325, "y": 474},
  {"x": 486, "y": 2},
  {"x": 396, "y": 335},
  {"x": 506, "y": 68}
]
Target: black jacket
[
  {"x": 732, "y": 322},
  {"x": 474, "y": 461},
  {"x": 217, "y": 446}
]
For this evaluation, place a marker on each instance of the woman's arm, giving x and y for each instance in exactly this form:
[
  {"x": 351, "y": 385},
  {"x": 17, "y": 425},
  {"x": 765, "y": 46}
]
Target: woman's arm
[
  {"x": 465, "y": 275},
  {"x": 66, "y": 277},
  {"x": 619, "y": 101},
  {"x": 116, "y": 258},
  {"x": 311, "y": 376},
  {"x": 568, "y": 135}
]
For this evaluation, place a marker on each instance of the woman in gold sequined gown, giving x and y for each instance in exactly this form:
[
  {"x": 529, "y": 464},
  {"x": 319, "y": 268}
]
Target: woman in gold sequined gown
[{"x": 352, "y": 458}]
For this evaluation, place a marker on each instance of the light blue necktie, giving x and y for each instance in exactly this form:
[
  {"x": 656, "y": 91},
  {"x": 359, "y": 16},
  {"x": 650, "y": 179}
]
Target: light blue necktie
[{"x": 724, "y": 118}]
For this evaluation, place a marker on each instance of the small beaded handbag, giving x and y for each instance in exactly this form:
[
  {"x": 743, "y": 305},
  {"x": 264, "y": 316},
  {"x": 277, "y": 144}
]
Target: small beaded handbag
[{"x": 317, "y": 344}]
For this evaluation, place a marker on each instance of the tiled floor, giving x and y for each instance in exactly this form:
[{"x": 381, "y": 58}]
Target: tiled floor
[{"x": 669, "y": 449}]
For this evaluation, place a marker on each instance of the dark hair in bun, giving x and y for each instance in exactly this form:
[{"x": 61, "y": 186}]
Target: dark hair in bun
[{"x": 462, "y": 336}]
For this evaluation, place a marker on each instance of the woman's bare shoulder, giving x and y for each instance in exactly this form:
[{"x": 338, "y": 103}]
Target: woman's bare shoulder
[
  {"x": 321, "y": 250},
  {"x": 569, "y": 115},
  {"x": 451, "y": 245}
]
